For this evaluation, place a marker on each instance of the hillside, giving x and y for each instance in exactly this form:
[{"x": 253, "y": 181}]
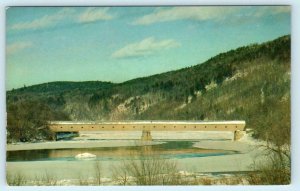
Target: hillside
[{"x": 250, "y": 83}]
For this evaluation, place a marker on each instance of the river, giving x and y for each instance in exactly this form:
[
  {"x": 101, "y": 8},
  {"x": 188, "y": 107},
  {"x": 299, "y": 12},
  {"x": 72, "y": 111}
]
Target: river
[{"x": 58, "y": 159}]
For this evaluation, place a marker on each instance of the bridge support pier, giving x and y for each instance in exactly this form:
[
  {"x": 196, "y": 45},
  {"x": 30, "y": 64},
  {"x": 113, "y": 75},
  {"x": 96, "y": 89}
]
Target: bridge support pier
[
  {"x": 54, "y": 136},
  {"x": 146, "y": 135},
  {"x": 237, "y": 135}
]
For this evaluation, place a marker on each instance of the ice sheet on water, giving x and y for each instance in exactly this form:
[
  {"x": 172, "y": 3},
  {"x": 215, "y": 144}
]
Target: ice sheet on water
[{"x": 85, "y": 156}]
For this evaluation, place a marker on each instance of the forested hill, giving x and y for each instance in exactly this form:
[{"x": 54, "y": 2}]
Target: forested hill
[
  {"x": 61, "y": 86},
  {"x": 246, "y": 83}
]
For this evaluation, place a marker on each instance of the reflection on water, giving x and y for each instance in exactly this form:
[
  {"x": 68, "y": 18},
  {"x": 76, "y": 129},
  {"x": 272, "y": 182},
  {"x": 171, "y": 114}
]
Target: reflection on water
[{"x": 171, "y": 149}]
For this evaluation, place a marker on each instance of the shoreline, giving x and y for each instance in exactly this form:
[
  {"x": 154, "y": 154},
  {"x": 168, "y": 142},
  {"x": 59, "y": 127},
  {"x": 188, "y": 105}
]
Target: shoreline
[
  {"x": 107, "y": 139},
  {"x": 76, "y": 144}
]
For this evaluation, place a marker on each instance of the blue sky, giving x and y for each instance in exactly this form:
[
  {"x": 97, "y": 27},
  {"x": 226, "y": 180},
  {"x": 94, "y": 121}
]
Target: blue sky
[{"x": 45, "y": 44}]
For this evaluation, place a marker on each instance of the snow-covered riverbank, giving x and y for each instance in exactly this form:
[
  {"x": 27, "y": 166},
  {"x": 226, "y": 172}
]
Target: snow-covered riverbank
[
  {"x": 118, "y": 138},
  {"x": 72, "y": 170}
]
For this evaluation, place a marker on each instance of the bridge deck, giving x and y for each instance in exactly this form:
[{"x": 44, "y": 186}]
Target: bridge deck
[{"x": 70, "y": 126}]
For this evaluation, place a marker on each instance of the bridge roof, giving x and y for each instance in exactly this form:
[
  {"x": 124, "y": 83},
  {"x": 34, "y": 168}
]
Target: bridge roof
[{"x": 148, "y": 122}]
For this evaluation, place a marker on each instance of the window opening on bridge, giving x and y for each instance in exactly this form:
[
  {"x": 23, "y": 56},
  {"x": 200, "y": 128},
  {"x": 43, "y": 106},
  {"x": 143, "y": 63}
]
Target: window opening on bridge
[
  {"x": 184, "y": 126},
  {"x": 92, "y": 127},
  {"x": 123, "y": 127},
  {"x": 61, "y": 127},
  {"x": 113, "y": 126},
  {"x": 195, "y": 127},
  {"x": 102, "y": 127},
  {"x": 81, "y": 127},
  {"x": 133, "y": 126},
  {"x": 164, "y": 126},
  {"x": 225, "y": 126},
  {"x": 71, "y": 127},
  {"x": 215, "y": 126},
  {"x": 174, "y": 126},
  {"x": 205, "y": 127}
]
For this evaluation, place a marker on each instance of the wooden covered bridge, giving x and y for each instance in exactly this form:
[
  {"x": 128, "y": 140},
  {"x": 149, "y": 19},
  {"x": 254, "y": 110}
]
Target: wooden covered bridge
[{"x": 237, "y": 127}]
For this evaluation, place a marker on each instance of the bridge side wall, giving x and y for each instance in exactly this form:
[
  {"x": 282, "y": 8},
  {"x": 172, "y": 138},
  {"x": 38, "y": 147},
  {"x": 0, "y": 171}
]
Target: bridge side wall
[{"x": 149, "y": 127}]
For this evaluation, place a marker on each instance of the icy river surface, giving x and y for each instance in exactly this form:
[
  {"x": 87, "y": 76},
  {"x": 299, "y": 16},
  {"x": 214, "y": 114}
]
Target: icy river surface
[{"x": 72, "y": 159}]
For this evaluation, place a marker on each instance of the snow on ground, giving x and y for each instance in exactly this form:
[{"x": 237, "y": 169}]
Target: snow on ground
[
  {"x": 67, "y": 170},
  {"x": 120, "y": 138}
]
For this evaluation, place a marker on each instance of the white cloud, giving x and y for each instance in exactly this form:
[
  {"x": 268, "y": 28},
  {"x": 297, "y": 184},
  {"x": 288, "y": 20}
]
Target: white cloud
[
  {"x": 18, "y": 46},
  {"x": 145, "y": 47},
  {"x": 271, "y": 10},
  {"x": 207, "y": 13},
  {"x": 180, "y": 13},
  {"x": 43, "y": 22},
  {"x": 89, "y": 15},
  {"x": 94, "y": 14}
]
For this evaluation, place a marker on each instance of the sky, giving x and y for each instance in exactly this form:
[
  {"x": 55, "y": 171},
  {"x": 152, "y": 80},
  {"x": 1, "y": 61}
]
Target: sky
[{"x": 45, "y": 44}]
